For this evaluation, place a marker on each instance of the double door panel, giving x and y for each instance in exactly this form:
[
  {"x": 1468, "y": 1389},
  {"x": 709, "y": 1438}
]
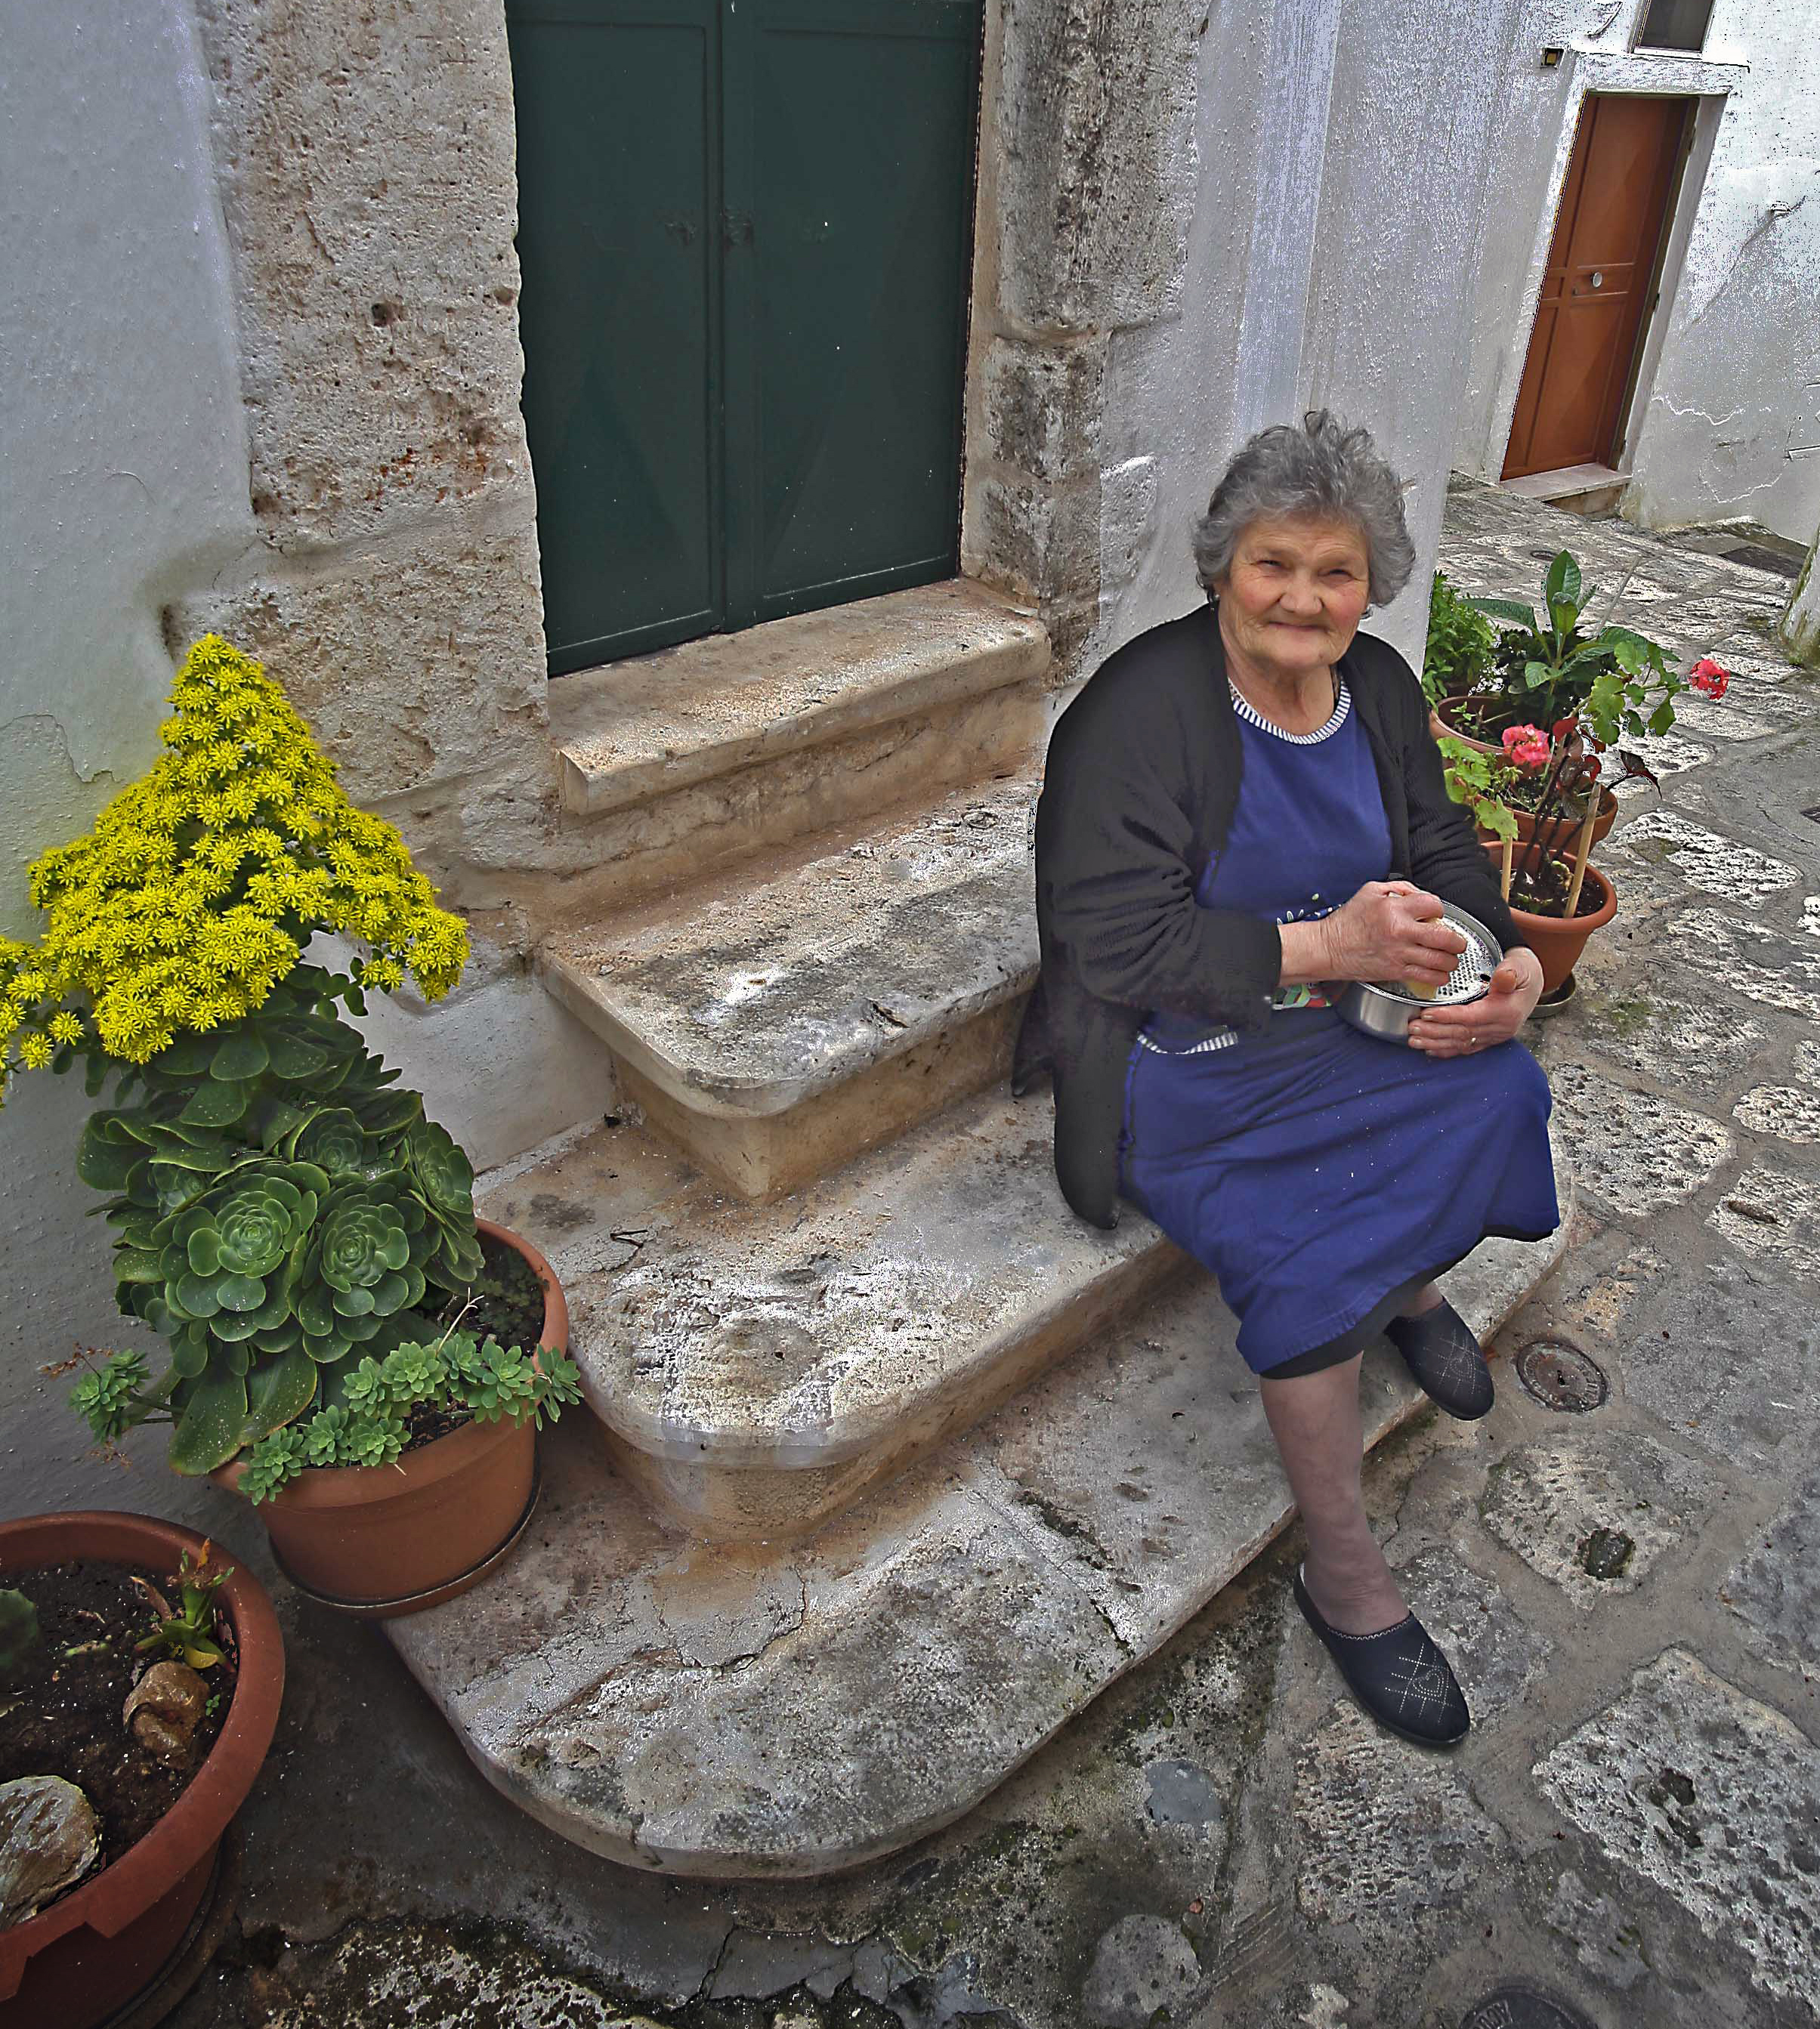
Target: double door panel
[
  {"x": 1599, "y": 283},
  {"x": 745, "y": 229}
]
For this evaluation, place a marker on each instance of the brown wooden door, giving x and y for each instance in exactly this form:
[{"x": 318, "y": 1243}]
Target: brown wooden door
[{"x": 1601, "y": 274}]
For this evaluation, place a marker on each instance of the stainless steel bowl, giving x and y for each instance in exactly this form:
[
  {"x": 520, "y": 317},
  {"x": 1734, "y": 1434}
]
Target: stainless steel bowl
[{"x": 1386, "y": 1011}]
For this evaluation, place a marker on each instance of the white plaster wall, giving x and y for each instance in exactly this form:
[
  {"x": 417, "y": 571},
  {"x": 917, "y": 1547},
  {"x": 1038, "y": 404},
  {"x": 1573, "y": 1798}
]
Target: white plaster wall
[
  {"x": 1727, "y": 421},
  {"x": 1341, "y": 153},
  {"x": 124, "y": 488},
  {"x": 122, "y": 477}
]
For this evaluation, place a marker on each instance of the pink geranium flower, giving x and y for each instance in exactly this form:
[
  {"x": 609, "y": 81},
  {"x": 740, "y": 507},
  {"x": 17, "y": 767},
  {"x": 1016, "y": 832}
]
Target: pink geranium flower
[
  {"x": 1707, "y": 675},
  {"x": 1526, "y": 746}
]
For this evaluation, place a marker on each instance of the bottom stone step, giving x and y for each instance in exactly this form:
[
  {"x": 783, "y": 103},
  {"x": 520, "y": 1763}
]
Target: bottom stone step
[{"x": 738, "y": 1710}]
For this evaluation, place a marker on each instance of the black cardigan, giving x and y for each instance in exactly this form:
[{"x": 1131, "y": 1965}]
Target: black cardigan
[{"x": 1138, "y": 789}]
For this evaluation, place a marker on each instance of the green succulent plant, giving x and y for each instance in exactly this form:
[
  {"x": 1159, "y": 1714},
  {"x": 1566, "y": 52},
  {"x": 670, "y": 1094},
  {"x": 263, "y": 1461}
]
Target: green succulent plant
[
  {"x": 367, "y": 1422},
  {"x": 277, "y": 1204}
]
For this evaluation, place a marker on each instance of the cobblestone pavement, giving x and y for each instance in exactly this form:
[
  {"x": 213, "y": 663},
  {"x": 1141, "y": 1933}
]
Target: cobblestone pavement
[{"x": 1630, "y": 1592}]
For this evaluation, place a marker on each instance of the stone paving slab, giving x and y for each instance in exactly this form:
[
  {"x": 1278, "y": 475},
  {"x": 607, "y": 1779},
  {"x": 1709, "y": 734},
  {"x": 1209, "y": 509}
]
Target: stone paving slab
[
  {"x": 658, "y": 723},
  {"x": 712, "y": 1710},
  {"x": 758, "y": 991}
]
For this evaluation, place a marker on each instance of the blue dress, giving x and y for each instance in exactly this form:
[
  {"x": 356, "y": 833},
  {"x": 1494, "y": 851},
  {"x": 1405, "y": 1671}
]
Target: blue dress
[{"x": 1320, "y": 1173}]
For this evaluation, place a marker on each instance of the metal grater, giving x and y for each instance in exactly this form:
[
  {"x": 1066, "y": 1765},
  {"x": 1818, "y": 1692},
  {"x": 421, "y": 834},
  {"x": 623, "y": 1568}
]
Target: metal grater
[{"x": 1384, "y": 1009}]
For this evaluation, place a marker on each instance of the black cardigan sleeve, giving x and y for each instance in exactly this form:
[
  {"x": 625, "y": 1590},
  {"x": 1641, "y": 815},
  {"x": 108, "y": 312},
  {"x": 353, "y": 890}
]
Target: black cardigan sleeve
[{"x": 1116, "y": 844}]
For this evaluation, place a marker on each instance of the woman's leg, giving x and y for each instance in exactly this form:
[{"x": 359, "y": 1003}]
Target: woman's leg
[{"x": 1321, "y": 1436}]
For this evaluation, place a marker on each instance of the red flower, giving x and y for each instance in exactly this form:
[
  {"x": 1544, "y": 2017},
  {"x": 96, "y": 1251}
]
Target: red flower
[
  {"x": 1708, "y": 677},
  {"x": 1526, "y": 746}
]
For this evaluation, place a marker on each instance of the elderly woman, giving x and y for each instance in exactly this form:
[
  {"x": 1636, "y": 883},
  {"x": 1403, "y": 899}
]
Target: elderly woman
[{"x": 1244, "y": 807}]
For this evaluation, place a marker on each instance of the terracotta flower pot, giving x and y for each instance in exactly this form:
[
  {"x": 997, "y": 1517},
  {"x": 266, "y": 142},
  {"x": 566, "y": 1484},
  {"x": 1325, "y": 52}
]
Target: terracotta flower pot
[
  {"x": 383, "y": 1541},
  {"x": 1557, "y": 942},
  {"x": 85, "y": 1957},
  {"x": 1441, "y": 720},
  {"x": 1601, "y": 825}
]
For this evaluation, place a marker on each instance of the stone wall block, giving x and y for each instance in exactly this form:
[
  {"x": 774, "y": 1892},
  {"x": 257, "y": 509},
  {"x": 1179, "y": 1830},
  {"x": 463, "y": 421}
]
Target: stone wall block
[
  {"x": 366, "y": 157},
  {"x": 412, "y": 671},
  {"x": 1041, "y": 406},
  {"x": 1036, "y": 541},
  {"x": 1127, "y": 521},
  {"x": 1094, "y": 113}
]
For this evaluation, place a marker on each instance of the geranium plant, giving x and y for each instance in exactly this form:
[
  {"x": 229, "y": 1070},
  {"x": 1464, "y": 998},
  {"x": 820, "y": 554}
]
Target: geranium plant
[
  {"x": 276, "y": 1200},
  {"x": 1549, "y": 667},
  {"x": 1479, "y": 781}
]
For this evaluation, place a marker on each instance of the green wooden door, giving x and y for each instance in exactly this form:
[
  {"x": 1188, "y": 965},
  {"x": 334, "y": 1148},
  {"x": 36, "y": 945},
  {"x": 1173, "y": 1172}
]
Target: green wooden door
[{"x": 745, "y": 228}]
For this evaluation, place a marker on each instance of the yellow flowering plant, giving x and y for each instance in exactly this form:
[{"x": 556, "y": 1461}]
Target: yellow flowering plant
[
  {"x": 201, "y": 883},
  {"x": 276, "y": 1200}
]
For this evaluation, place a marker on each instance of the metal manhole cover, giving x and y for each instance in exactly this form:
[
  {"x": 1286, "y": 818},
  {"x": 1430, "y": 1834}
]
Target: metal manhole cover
[
  {"x": 1560, "y": 1376},
  {"x": 1521, "y": 2007}
]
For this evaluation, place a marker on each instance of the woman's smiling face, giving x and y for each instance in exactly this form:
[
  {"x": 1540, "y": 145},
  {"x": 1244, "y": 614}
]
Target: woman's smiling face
[{"x": 1295, "y": 593}]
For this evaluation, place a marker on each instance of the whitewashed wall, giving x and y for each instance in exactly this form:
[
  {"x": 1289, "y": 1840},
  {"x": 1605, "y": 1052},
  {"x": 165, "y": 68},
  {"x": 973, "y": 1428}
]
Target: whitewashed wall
[
  {"x": 123, "y": 493},
  {"x": 1727, "y": 420},
  {"x": 1342, "y": 152}
]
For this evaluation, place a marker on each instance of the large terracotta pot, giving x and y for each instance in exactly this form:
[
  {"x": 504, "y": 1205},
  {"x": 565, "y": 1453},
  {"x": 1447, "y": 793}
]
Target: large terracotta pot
[
  {"x": 1555, "y": 941},
  {"x": 383, "y": 1541},
  {"x": 85, "y": 1957}
]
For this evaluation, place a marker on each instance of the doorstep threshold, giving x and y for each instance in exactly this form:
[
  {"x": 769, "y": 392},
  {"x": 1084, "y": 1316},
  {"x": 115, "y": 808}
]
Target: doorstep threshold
[{"x": 654, "y": 724}]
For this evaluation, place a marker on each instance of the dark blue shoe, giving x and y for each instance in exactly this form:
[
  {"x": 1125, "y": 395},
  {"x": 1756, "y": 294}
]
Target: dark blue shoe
[
  {"x": 1440, "y": 1351},
  {"x": 1398, "y": 1675}
]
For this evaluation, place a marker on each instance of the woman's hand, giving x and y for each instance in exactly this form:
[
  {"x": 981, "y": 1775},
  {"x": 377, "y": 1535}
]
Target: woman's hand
[
  {"x": 1461, "y": 1032},
  {"x": 1389, "y": 931}
]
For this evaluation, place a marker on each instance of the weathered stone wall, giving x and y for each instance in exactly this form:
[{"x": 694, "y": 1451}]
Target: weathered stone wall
[
  {"x": 1086, "y": 195},
  {"x": 366, "y": 156},
  {"x": 1727, "y": 419}
]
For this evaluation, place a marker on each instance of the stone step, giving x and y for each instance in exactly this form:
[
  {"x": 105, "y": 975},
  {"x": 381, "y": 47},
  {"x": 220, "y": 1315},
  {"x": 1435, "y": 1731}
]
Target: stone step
[
  {"x": 741, "y": 1711},
  {"x": 778, "y": 1021},
  {"x": 758, "y": 1366},
  {"x": 731, "y": 746}
]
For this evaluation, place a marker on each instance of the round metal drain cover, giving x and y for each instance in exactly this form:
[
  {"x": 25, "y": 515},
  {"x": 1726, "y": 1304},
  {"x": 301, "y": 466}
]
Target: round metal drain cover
[
  {"x": 1521, "y": 2007},
  {"x": 1560, "y": 1376}
]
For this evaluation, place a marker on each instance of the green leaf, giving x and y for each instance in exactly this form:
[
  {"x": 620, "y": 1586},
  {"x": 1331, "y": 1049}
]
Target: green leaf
[
  {"x": 240, "y": 1293},
  {"x": 1536, "y": 674},
  {"x": 232, "y": 1327},
  {"x": 1561, "y": 586},
  {"x": 189, "y": 1352},
  {"x": 215, "y": 1104},
  {"x": 101, "y": 1163},
  {"x": 242, "y": 1054},
  {"x": 209, "y": 1424},
  {"x": 1663, "y": 716},
  {"x": 1506, "y": 609},
  {"x": 195, "y": 1296},
  {"x": 204, "y": 1251},
  {"x": 278, "y": 1394},
  {"x": 186, "y": 1058},
  {"x": 314, "y": 1310},
  {"x": 130, "y": 1265},
  {"x": 95, "y": 1075},
  {"x": 352, "y": 1303}
]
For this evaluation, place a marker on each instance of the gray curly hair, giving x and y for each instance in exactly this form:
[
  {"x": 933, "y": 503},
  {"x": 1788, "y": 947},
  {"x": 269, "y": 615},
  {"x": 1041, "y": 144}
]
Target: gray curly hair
[{"x": 1319, "y": 467}]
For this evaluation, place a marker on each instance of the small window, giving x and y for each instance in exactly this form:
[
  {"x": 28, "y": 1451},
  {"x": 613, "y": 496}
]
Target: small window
[{"x": 1675, "y": 24}]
